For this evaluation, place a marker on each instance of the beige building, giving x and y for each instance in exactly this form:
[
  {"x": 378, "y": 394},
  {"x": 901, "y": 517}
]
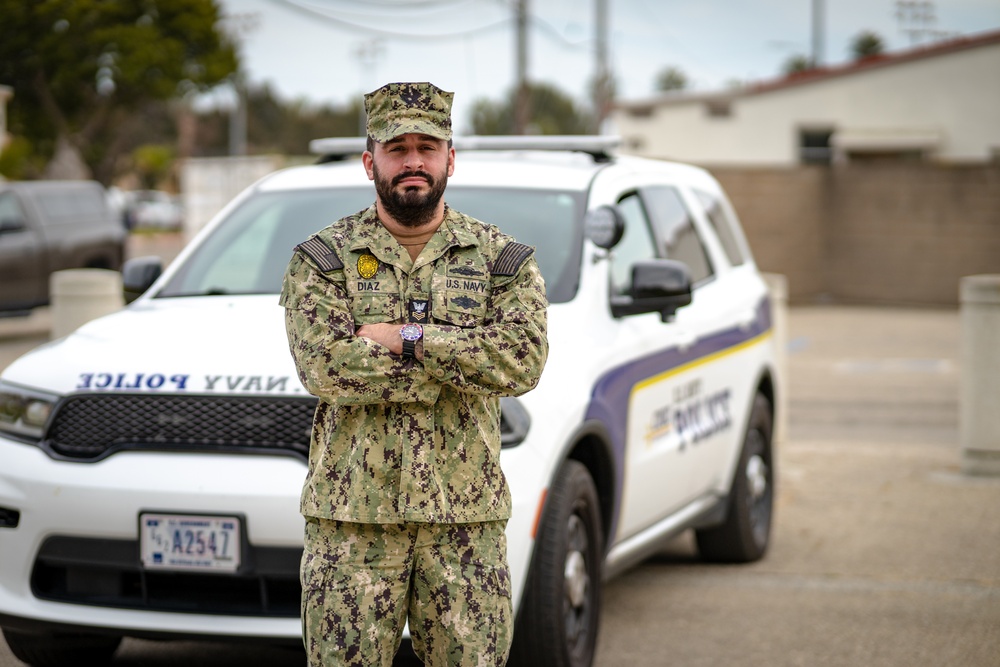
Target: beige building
[{"x": 937, "y": 103}]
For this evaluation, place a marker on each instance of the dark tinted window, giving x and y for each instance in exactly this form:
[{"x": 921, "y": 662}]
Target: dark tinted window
[
  {"x": 636, "y": 244},
  {"x": 722, "y": 224},
  {"x": 10, "y": 210},
  {"x": 677, "y": 237}
]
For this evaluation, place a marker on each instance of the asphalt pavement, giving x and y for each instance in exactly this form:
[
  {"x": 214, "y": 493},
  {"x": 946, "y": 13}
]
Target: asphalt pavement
[{"x": 883, "y": 553}]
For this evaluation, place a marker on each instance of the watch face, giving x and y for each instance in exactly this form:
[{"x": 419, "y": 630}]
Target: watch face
[{"x": 411, "y": 332}]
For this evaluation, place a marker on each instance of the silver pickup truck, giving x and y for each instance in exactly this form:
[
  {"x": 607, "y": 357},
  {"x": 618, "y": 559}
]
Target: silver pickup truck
[{"x": 48, "y": 226}]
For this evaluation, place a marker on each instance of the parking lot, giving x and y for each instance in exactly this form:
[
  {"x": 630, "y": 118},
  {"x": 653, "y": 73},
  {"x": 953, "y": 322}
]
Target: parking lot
[{"x": 884, "y": 553}]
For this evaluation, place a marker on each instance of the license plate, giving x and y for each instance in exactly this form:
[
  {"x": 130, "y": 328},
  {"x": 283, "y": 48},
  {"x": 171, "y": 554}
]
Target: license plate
[{"x": 189, "y": 542}]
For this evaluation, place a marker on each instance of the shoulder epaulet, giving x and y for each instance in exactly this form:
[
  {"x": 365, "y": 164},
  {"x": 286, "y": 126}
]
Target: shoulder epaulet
[
  {"x": 511, "y": 258},
  {"x": 324, "y": 256}
]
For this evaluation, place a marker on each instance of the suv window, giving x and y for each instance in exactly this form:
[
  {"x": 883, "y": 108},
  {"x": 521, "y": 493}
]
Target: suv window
[
  {"x": 248, "y": 252},
  {"x": 547, "y": 220},
  {"x": 10, "y": 210},
  {"x": 678, "y": 237},
  {"x": 722, "y": 225},
  {"x": 636, "y": 243}
]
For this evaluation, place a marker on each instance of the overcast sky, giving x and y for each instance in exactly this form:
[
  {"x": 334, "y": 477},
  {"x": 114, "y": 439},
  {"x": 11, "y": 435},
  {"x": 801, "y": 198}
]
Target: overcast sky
[{"x": 332, "y": 51}]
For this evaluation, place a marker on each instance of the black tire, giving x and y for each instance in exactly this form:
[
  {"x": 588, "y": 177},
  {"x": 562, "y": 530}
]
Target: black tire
[
  {"x": 745, "y": 535},
  {"x": 60, "y": 649},
  {"x": 560, "y": 610}
]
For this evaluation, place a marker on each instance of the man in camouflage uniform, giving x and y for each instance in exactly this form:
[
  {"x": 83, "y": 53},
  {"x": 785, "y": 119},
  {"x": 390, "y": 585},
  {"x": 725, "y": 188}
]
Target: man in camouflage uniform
[{"x": 405, "y": 502}]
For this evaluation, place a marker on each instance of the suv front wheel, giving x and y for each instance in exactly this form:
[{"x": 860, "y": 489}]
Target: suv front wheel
[
  {"x": 60, "y": 649},
  {"x": 558, "y": 619}
]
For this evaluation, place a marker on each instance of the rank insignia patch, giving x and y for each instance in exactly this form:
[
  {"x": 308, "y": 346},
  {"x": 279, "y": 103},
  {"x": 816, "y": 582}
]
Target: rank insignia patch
[
  {"x": 418, "y": 310},
  {"x": 367, "y": 265}
]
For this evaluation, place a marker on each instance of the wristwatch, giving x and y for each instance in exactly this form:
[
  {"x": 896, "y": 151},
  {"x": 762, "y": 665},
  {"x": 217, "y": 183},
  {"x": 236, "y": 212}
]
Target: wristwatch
[{"x": 410, "y": 333}]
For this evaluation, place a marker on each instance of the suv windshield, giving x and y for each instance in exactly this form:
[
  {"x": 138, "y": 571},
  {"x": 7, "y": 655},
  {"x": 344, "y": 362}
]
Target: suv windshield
[{"x": 248, "y": 252}]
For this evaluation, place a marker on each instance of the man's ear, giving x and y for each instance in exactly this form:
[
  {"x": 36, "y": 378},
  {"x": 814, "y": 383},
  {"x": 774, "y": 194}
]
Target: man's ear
[
  {"x": 451, "y": 161},
  {"x": 369, "y": 161}
]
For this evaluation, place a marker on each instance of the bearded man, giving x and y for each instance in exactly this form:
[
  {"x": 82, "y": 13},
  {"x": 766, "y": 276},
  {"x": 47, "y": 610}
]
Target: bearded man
[{"x": 409, "y": 321}]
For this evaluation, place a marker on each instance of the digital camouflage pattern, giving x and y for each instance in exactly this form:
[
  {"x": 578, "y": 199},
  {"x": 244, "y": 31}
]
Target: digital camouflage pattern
[
  {"x": 359, "y": 581},
  {"x": 399, "y": 440},
  {"x": 405, "y": 108}
]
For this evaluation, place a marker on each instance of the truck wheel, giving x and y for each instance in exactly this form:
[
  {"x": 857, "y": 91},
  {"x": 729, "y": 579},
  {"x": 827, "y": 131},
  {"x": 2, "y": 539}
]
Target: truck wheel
[
  {"x": 559, "y": 612},
  {"x": 60, "y": 649},
  {"x": 746, "y": 532}
]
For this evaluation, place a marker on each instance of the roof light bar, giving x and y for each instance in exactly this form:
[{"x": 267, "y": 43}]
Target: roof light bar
[
  {"x": 335, "y": 146},
  {"x": 593, "y": 144}
]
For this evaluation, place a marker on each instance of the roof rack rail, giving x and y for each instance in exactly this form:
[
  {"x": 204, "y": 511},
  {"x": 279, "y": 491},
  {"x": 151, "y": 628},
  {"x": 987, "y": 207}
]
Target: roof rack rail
[{"x": 597, "y": 146}]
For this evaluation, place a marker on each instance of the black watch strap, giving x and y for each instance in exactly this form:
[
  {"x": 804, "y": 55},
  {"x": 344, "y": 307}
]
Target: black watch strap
[{"x": 409, "y": 349}]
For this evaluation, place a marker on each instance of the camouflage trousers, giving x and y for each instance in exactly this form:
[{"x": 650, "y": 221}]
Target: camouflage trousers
[{"x": 361, "y": 583}]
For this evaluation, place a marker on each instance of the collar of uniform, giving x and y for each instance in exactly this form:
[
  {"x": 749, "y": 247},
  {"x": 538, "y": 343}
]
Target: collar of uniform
[
  {"x": 370, "y": 234},
  {"x": 458, "y": 225},
  {"x": 454, "y": 231}
]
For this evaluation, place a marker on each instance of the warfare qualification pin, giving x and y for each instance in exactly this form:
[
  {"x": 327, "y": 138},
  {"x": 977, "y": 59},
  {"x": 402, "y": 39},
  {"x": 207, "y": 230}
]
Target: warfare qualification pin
[{"x": 367, "y": 265}]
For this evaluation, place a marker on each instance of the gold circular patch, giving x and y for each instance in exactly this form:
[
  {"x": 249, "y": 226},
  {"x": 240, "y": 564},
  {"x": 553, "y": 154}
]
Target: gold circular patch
[{"x": 367, "y": 265}]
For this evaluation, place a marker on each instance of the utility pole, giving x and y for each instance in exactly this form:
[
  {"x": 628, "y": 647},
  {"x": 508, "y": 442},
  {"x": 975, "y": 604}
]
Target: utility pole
[
  {"x": 238, "y": 118},
  {"x": 368, "y": 54},
  {"x": 817, "y": 32},
  {"x": 239, "y": 26},
  {"x": 916, "y": 19},
  {"x": 602, "y": 71},
  {"x": 521, "y": 101}
]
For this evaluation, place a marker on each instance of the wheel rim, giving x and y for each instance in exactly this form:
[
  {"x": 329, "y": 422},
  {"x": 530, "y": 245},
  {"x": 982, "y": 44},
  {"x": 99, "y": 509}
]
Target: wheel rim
[
  {"x": 758, "y": 474},
  {"x": 577, "y": 584}
]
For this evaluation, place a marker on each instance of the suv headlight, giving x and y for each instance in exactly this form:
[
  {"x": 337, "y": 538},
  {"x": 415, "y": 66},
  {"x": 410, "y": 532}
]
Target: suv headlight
[{"x": 24, "y": 412}]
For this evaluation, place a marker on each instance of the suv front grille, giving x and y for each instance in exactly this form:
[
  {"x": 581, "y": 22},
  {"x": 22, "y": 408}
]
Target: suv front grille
[
  {"x": 92, "y": 426},
  {"x": 107, "y": 573}
]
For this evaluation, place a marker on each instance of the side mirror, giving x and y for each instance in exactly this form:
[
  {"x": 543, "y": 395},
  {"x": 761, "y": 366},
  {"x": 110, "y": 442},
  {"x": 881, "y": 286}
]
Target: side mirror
[
  {"x": 9, "y": 225},
  {"x": 139, "y": 274},
  {"x": 605, "y": 226},
  {"x": 658, "y": 286}
]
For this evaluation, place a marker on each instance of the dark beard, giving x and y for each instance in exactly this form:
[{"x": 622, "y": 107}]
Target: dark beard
[{"x": 409, "y": 207}]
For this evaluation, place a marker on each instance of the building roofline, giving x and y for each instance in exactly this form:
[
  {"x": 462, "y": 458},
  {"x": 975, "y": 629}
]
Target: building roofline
[
  {"x": 820, "y": 74},
  {"x": 877, "y": 62}
]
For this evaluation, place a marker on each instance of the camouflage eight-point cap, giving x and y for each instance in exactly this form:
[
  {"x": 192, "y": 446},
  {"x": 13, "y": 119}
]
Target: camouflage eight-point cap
[{"x": 405, "y": 108}]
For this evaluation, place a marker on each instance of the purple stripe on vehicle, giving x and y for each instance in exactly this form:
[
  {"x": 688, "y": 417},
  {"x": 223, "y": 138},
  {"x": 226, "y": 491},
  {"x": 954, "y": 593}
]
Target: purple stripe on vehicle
[{"x": 610, "y": 398}]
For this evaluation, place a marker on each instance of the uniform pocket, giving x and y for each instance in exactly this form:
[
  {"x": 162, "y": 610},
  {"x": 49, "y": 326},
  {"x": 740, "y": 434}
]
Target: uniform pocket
[{"x": 459, "y": 301}]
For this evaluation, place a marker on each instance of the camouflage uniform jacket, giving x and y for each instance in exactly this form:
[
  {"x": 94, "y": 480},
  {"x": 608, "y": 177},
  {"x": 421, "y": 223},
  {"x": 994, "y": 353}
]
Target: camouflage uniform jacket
[{"x": 395, "y": 439}]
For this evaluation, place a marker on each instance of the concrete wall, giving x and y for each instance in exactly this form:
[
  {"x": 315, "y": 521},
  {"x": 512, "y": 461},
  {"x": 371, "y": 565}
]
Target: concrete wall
[
  {"x": 879, "y": 233},
  {"x": 208, "y": 184}
]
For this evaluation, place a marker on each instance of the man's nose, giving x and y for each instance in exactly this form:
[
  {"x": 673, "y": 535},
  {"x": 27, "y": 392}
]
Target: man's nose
[{"x": 413, "y": 159}]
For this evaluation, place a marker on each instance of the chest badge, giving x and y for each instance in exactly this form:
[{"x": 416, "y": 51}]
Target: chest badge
[{"x": 367, "y": 265}]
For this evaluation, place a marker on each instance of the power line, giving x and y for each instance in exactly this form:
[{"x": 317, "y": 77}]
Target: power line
[
  {"x": 542, "y": 26},
  {"x": 350, "y": 25},
  {"x": 402, "y": 4}
]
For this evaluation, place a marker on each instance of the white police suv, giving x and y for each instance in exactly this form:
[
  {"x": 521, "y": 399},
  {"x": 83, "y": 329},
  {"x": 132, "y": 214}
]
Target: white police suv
[{"x": 152, "y": 460}]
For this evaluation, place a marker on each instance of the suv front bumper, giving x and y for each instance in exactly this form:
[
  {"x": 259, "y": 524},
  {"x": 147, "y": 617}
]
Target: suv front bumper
[{"x": 73, "y": 554}]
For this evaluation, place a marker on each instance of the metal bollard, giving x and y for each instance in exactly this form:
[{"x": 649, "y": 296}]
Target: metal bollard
[
  {"x": 777, "y": 285},
  {"x": 979, "y": 416},
  {"x": 80, "y": 295}
]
